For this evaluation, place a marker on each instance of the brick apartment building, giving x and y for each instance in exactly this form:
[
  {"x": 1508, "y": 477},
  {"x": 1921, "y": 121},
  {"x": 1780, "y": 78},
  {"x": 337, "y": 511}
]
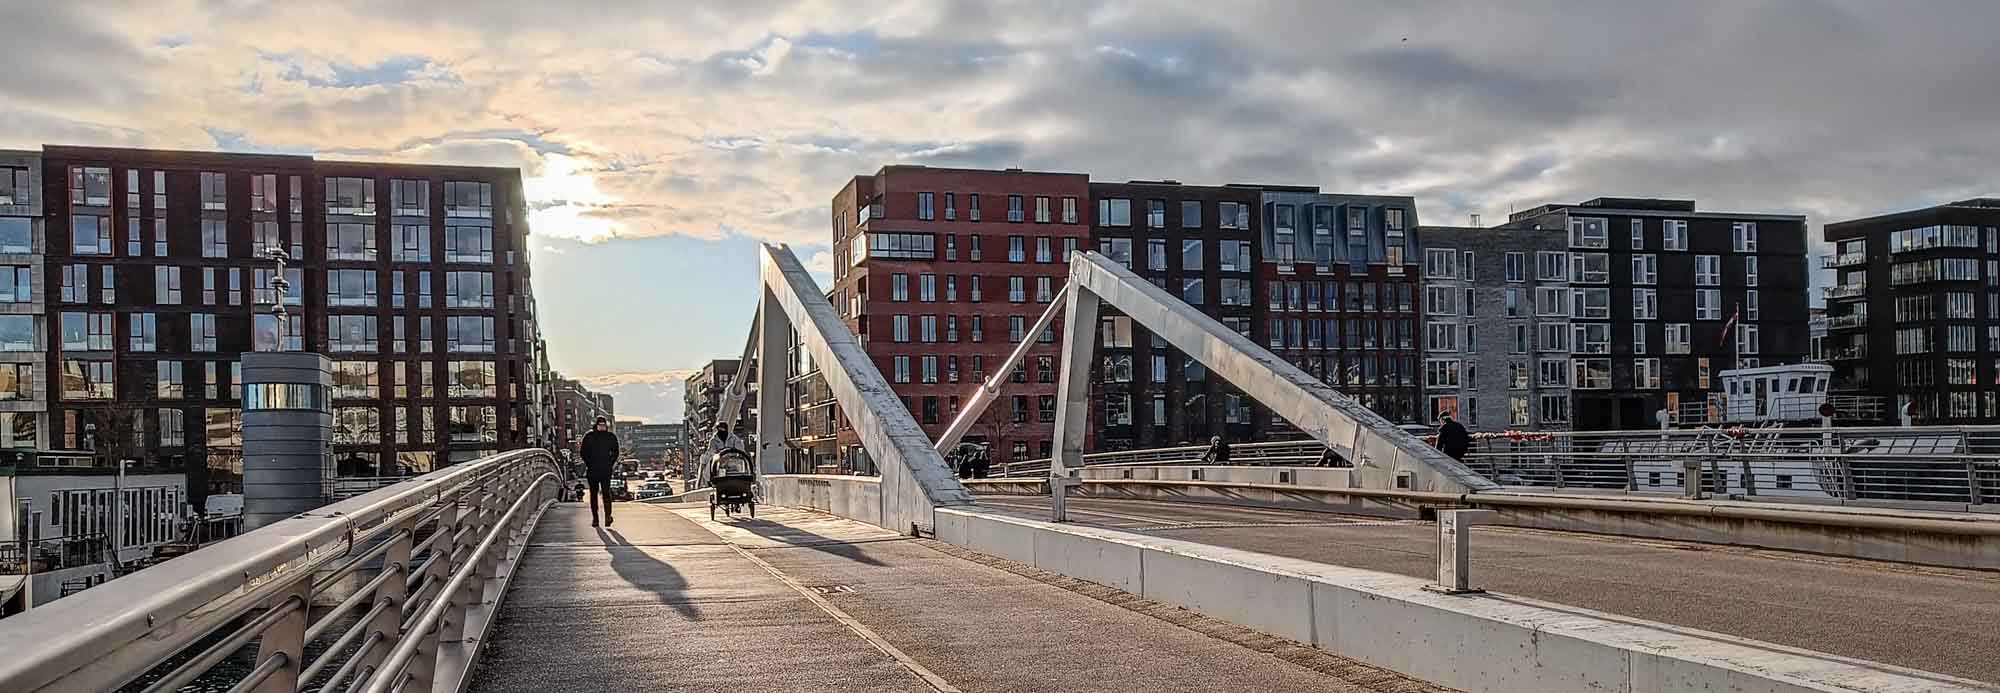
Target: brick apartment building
[
  {"x": 1602, "y": 313},
  {"x": 940, "y": 271},
  {"x": 1341, "y": 295},
  {"x": 1201, "y": 244},
  {"x": 413, "y": 279},
  {"x": 1913, "y": 317}
]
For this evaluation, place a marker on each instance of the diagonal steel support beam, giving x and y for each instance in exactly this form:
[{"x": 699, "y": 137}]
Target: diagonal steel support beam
[
  {"x": 1381, "y": 452},
  {"x": 988, "y": 391},
  {"x": 915, "y": 479}
]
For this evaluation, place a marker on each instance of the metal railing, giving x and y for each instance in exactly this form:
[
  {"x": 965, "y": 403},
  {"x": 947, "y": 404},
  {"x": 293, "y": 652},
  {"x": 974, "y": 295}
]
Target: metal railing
[
  {"x": 1921, "y": 467},
  {"x": 1845, "y": 290},
  {"x": 1843, "y": 260},
  {"x": 391, "y": 590}
]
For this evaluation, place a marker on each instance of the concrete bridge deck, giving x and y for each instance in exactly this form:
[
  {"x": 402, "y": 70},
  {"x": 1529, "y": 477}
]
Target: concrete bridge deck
[
  {"x": 1934, "y": 619},
  {"x": 797, "y": 601}
]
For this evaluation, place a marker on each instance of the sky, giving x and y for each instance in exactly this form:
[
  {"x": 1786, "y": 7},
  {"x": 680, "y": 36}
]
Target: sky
[{"x": 662, "y": 141}]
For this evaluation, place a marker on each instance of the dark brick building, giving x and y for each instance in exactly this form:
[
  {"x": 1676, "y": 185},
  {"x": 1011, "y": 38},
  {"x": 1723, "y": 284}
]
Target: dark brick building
[
  {"x": 413, "y": 279},
  {"x": 1913, "y": 316},
  {"x": 1200, "y": 243},
  {"x": 941, "y": 271}
]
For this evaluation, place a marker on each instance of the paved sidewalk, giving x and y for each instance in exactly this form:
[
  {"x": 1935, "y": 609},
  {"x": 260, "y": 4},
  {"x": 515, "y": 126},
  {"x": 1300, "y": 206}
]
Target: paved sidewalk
[{"x": 796, "y": 601}]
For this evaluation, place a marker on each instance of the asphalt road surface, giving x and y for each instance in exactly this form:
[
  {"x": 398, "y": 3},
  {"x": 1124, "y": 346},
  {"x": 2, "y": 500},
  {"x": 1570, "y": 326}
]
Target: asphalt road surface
[
  {"x": 666, "y": 600},
  {"x": 1935, "y": 619}
]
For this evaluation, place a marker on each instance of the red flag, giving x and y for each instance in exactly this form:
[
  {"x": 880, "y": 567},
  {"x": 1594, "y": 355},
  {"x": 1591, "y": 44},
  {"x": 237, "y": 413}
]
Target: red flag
[{"x": 1730, "y": 325}]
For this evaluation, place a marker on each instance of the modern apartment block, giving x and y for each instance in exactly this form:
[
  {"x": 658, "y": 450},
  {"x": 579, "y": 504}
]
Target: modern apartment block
[
  {"x": 24, "y": 401},
  {"x": 1913, "y": 316},
  {"x": 414, "y": 280},
  {"x": 1341, "y": 295},
  {"x": 1645, "y": 299},
  {"x": 941, "y": 271},
  {"x": 577, "y": 409},
  {"x": 1199, "y": 243},
  {"x": 1491, "y": 358}
]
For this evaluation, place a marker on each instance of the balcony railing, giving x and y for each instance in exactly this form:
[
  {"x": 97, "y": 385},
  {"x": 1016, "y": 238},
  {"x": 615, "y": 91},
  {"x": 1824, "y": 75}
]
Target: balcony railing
[
  {"x": 1849, "y": 321},
  {"x": 1843, "y": 260},
  {"x": 1846, "y": 290},
  {"x": 1852, "y": 353}
]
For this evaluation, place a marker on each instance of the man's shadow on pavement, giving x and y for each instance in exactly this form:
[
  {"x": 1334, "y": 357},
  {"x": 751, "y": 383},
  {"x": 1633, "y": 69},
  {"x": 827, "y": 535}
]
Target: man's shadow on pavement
[
  {"x": 644, "y": 571},
  {"x": 794, "y": 536}
]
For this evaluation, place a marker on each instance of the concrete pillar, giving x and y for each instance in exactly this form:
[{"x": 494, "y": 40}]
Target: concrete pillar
[
  {"x": 773, "y": 368},
  {"x": 287, "y": 434}
]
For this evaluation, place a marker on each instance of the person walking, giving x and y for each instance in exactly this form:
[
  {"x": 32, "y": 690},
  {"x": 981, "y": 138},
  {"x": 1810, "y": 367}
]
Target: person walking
[
  {"x": 599, "y": 451},
  {"x": 1453, "y": 438},
  {"x": 1218, "y": 452}
]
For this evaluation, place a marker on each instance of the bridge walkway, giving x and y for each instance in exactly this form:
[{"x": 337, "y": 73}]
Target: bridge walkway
[
  {"x": 1934, "y": 619},
  {"x": 668, "y": 600}
]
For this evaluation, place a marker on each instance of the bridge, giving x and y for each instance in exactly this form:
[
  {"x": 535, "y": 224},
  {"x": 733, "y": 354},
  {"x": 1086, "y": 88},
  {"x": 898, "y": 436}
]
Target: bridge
[{"x": 1401, "y": 570}]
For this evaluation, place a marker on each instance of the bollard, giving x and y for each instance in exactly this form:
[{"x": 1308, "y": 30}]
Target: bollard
[
  {"x": 1059, "y": 487},
  {"x": 1691, "y": 479},
  {"x": 1454, "y": 550}
]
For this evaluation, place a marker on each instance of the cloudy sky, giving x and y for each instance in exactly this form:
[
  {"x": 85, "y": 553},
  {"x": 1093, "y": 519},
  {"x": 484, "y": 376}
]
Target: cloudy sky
[{"x": 663, "y": 140}]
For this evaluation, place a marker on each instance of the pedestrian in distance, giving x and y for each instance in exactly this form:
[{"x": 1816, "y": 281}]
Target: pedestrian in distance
[
  {"x": 1452, "y": 438},
  {"x": 599, "y": 451},
  {"x": 1218, "y": 452}
]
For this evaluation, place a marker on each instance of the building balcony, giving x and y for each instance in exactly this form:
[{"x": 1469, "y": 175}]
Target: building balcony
[
  {"x": 1840, "y": 291},
  {"x": 1847, "y": 322},
  {"x": 1844, "y": 260},
  {"x": 1852, "y": 353}
]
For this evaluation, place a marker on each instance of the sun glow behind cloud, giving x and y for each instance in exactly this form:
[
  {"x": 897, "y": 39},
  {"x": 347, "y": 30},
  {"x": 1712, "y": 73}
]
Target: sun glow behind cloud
[{"x": 564, "y": 196}]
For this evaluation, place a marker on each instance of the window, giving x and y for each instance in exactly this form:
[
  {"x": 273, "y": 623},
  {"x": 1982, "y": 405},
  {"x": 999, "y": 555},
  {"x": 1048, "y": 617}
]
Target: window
[
  {"x": 1443, "y": 336},
  {"x": 1044, "y": 250},
  {"x": 16, "y": 188},
  {"x": 352, "y": 196},
  {"x": 1588, "y": 232},
  {"x": 201, "y": 332},
  {"x": 1590, "y": 338},
  {"x": 1156, "y": 254},
  {"x": 468, "y": 289},
  {"x": 1044, "y": 291},
  {"x": 1673, "y": 235},
  {"x": 1552, "y": 373},
  {"x": 351, "y": 333},
  {"x": 1750, "y": 310},
  {"x": 1520, "y": 339},
  {"x": 926, "y": 206},
  {"x": 1551, "y": 302},
  {"x": 350, "y": 288},
  {"x": 1591, "y": 303},
  {"x": 1068, "y": 249},
  {"x": 1465, "y": 266},
  {"x": 83, "y": 379},
  {"x": 1232, "y": 215},
  {"x": 1235, "y": 292},
  {"x": 1639, "y": 338},
  {"x": 1680, "y": 338},
  {"x": 1708, "y": 270},
  {"x": 1016, "y": 209},
  {"x": 926, "y": 287},
  {"x": 90, "y": 234},
  {"x": 1517, "y": 267},
  {"x": 1645, "y": 304},
  {"x": 1190, "y": 214},
  {"x": 972, "y": 213},
  {"x": 1592, "y": 374},
  {"x": 1638, "y": 235},
  {"x": 1553, "y": 336},
  {"x": 1646, "y": 374},
  {"x": 1441, "y": 373},
  {"x": 1017, "y": 328},
  {"x": 1750, "y": 271},
  {"x": 1707, "y": 304},
  {"x": 1743, "y": 236},
  {"x": 1017, "y": 291},
  {"x": 463, "y": 333},
  {"x": 1017, "y": 250},
  {"x": 1440, "y": 263},
  {"x": 16, "y": 284},
  {"x": 1117, "y": 249},
  {"x": 214, "y": 191},
  {"x": 1069, "y": 210},
  {"x": 1192, "y": 292},
  {"x": 266, "y": 293},
  {"x": 348, "y": 241},
  {"x": 1114, "y": 211},
  {"x": 950, "y": 207},
  {"x": 1552, "y": 266},
  {"x": 1646, "y": 269},
  {"x": 1236, "y": 256},
  {"x": 899, "y": 287},
  {"x": 1747, "y": 341},
  {"x": 171, "y": 380},
  {"x": 928, "y": 329},
  {"x": 89, "y": 186},
  {"x": 1439, "y": 300},
  {"x": 1392, "y": 219},
  {"x": 903, "y": 246},
  {"x": 143, "y": 331},
  {"x": 900, "y": 328},
  {"x": 468, "y": 199},
  {"x": 1590, "y": 268},
  {"x": 978, "y": 329},
  {"x": 20, "y": 333},
  {"x": 976, "y": 295},
  {"x": 467, "y": 244},
  {"x": 1517, "y": 410},
  {"x": 16, "y": 235},
  {"x": 86, "y": 331}
]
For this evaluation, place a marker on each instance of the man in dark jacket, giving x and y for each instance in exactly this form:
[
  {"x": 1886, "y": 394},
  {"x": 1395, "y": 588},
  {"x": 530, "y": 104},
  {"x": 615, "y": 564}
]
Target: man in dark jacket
[
  {"x": 599, "y": 451},
  {"x": 1453, "y": 438},
  {"x": 1218, "y": 452}
]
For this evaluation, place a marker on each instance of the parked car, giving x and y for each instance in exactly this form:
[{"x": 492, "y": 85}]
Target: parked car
[
  {"x": 655, "y": 489},
  {"x": 620, "y": 491}
]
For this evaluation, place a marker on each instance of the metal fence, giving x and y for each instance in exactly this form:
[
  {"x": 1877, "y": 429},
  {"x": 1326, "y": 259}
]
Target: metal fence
[
  {"x": 1912, "y": 467},
  {"x": 390, "y": 590}
]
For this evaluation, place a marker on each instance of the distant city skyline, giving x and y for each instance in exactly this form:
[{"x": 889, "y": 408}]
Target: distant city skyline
[{"x": 660, "y": 144}]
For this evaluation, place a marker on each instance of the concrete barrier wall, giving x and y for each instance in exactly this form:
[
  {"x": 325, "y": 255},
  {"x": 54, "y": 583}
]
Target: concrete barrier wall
[
  {"x": 857, "y": 498},
  {"x": 1825, "y": 530},
  {"x": 1471, "y": 642}
]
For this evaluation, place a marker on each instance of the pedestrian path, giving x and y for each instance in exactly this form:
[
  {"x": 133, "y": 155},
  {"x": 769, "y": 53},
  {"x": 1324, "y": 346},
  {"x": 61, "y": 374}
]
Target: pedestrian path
[{"x": 666, "y": 600}]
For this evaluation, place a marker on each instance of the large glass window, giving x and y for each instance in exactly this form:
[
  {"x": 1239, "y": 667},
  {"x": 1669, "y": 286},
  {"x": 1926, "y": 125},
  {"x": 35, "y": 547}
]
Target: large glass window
[
  {"x": 16, "y": 235},
  {"x": 351, "y": 333},
  {"x": 1114, "y": 211},
  {"x": 90, "y": 234},
  {"x": 471, "y": 379},
  {"x": 350, "y": 242},
  {"x": 353, "y": 196},
  {"x": 83, "y": 379},
  {"x": 468, "y": 199},
  {"x": 351, "y": 288},
  {"x": 468, "y": 244},
  {"x": 468, "y": 289},
  {"x": 357, "y": 380},
  {"x": 412, "y": 243},
  {"x": 469, "y": 333}
]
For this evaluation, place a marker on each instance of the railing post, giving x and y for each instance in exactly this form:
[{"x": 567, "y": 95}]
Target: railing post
[
  {"x": 1847, "y": 485},
  {"x": 1454, "y": 550},
  {"x": 1975, "y": 493},
  {"x": 1631, "y": 474},
  {"x": 423, "y": 667},
  {"x": 1749, "y": 479},
  {"x": 396, "y": 592},
  {"x": 285, "y": 638}
]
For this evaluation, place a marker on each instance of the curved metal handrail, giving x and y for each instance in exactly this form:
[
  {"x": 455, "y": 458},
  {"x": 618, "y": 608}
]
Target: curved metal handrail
[{"x": 126, "y": 628}]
